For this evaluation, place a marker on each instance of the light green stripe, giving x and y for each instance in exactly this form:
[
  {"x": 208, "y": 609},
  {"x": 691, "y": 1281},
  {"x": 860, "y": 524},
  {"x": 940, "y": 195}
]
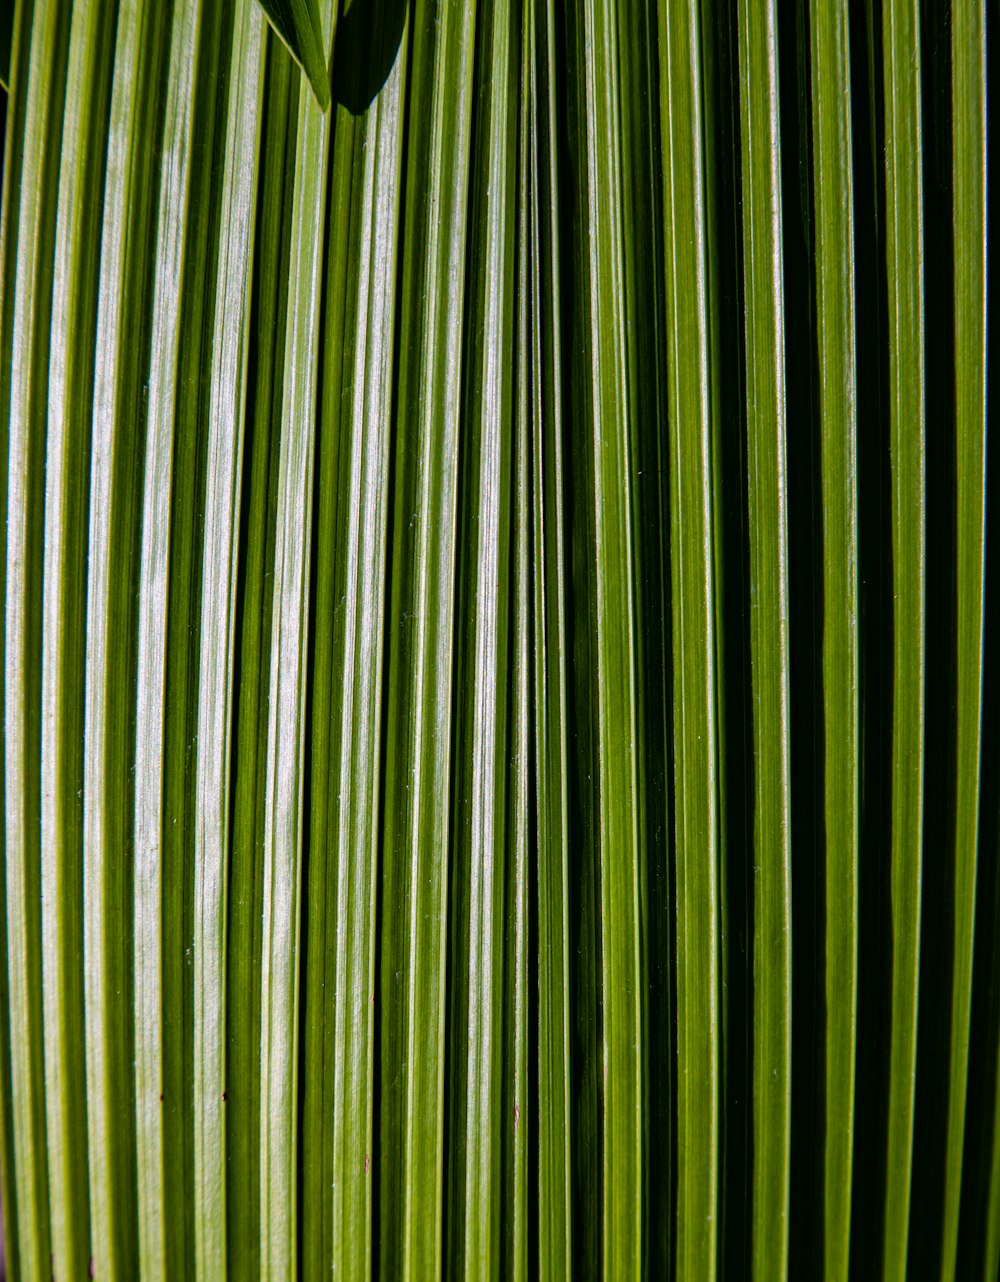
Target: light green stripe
[
  {"x": 904, "y": 275},
  {"x": 70, "y": 401},
  {"x": 28, "y": 897},
  {"x": 420, "y": 623},
  {"x": 765, "y": 408},
  {"x": 694, "y": 644},
  {"x": 227, "y": 402},
  {"x": 969, "y": 80},
  {"x": 286, "y": 705},
  {"x": 555, "y": 1134},
  {"x": 834, "y": 222}
]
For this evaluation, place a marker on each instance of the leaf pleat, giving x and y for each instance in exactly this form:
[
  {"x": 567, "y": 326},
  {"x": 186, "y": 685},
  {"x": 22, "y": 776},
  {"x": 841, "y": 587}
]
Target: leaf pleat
[
  {"x": 695, "y": 718},
  {"x": 606, "y": 553},
  {"x": 223, "y": 482},
  {"x": 514, "y": 1252},
  {"x": 550, "y": 652},
  {"x": 166, "y": 699},
  {"x": 904, "y": 272},
  {"x": 11, "y": 168},
  {"x": 25, "y": 396},
  {"x": 283, "y": 813},
  {"x": 420, "y": 635},
  {"x": 254, "y": 603},
  {"x": 122, "y": 371},
  {"x": 353, "y": 451},
  {"x": 647, "y": 448},
  {"x": 480, "y": 844},
  {"x": 768, "y": 534},
  {"x": 969, "y": 161},
  {"x": 70, "y": 401},
  {"x": 834, "y": 251}
]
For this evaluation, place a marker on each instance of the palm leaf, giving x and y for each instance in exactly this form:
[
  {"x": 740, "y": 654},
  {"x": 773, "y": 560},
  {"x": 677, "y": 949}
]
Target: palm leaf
[
  {"x": 286, "y": 702},
  {"x": 768, "y": 532},
  {"x": 833, "y": 187},
  {"x": 498, "y": 603},
  {"x": 70, "y": 393},
  {"x": 904, "y": 268}
]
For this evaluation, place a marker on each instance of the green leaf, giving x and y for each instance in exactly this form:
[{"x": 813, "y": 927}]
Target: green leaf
[
  {"x": 904, "y": 274},
  {"x": 834, "y": 220},
  {"x": 266, "y": 324},
  {"x": 168, "y": 597},
  {"x": 282, "y": 871},
  {"x": 515, "y": 1255},
  {"x": 225, "y": 457},
  {"x": 606, "y": 492},
  {"x": 969, "y": 81},
  {"x": 550, "y": 645},
  {"x": 299, "y": 25},
  {"x": 481, "y": 844},
  {"x": 447, "y": 542},
  {"x": 11, "y": 170},
  {"x": 43, "y": 35},
  {"x": 70, "y": 397},
  {"x": 768, "y": 535},
  {"x": 353, "y": 451},
  {"x": 121, "y": 371},
  {"x": 694, "y": 644},
  {"x": 420, "y": 625}
]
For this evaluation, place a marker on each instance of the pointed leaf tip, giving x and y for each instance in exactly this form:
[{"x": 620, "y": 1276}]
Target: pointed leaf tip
[
  {"x": 6, "y": 40},
  {"x": 298, "y": 25}
]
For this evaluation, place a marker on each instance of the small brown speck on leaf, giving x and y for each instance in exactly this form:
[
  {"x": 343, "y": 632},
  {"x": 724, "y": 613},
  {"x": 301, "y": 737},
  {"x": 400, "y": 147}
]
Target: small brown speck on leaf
[
  {"x": 223, "y": 1097},
  {"x": 517, "y": 1115},
  {"x": 91, "y": 1270},
  {"x": 366, "y": 1163},
  {"x": 161, "y": 1097}
]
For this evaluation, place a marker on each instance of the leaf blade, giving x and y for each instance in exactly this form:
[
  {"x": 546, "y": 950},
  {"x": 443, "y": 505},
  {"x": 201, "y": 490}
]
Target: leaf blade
[
  {"x": 833, "y": 185},
  {"x": 969, "y": 142},
  {"x": 70, "y": 401},
  {"x": 694, "y": 646},
  {"x": 299, "y": 25},
  {"x": 904, "y": 269},
  {"x": 552, "y": 770},
  {"x": 421, "y": 623},
  {"x": 44, "y": 35},
  {"x": 286, "y": 705},
  {"x": 768, "y": 533}
]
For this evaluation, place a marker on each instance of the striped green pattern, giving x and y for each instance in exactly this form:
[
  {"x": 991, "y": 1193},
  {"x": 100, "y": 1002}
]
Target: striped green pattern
[{"x": 500, "y": 763}]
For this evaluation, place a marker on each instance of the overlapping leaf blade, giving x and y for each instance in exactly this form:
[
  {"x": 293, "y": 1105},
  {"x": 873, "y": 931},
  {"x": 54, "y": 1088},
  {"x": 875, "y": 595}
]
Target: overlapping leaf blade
[{"x": 301, "y": 25}]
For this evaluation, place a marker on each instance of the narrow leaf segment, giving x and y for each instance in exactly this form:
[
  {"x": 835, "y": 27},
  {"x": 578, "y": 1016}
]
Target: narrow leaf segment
[{"x": 904, "y": 275}]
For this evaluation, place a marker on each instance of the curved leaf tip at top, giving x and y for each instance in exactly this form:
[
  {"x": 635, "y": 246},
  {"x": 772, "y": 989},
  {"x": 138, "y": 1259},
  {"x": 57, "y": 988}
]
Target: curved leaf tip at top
[
  {"x": 6, "y": 40},
  {"x": 298, "y": 25}
]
